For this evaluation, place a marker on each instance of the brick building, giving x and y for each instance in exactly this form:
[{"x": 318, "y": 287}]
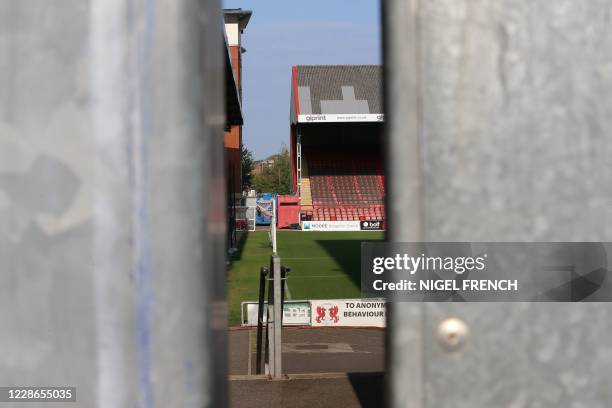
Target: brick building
[{"x": 236, "y": 21}]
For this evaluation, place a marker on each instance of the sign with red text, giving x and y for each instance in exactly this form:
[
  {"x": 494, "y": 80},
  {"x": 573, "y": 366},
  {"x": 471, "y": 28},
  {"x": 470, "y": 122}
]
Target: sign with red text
[{"x": 348, "y": 312}]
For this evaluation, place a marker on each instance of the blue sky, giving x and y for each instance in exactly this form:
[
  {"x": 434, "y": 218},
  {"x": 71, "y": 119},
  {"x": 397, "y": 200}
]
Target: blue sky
[{"x": 286, "y": 33}]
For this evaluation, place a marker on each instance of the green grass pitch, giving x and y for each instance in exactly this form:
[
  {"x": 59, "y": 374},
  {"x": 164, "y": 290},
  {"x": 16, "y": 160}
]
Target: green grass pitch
[{"x": 324, "y": 265}]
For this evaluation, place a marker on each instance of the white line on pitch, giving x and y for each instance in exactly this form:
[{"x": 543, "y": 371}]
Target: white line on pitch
[{"x": 287, "y": 292}]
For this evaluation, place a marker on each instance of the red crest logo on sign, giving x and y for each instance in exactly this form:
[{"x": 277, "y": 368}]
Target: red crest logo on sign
[
  {"x": 327, "y": 314},
  {"x": 333, "y": 314},
  {"x": 320, "y": 314}
]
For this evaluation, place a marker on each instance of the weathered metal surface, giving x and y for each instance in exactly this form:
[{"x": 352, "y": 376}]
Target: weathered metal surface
[
  {"x": 111, "y": 247},
  {"x": 499, "y": 116}
]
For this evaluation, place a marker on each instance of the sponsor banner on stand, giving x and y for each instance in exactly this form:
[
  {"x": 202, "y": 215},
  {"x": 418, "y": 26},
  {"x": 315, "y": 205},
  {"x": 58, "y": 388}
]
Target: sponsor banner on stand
[
  {"x": 342, "y": 225},
  {"x": 348, "y": 312},
  {"x": 345, "y": 117},
  {"x": 330, "y": 226},
  {"x": 370, "y": 225}
]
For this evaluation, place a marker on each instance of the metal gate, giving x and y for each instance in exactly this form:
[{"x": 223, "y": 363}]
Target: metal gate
[
  {"x": 111, "y": 132},
  {"x": 498, "y": 120},
  {"x": 498, "y": 116}
]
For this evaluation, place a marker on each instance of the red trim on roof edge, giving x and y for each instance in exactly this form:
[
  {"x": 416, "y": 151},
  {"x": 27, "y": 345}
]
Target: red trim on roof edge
[{"x": 295, "y": 91}]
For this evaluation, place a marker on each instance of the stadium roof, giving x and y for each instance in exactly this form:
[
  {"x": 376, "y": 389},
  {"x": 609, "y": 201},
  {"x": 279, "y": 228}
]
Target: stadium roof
[
  {"x": 242, "y": 16},
  {"x": 336, "y": 93}
]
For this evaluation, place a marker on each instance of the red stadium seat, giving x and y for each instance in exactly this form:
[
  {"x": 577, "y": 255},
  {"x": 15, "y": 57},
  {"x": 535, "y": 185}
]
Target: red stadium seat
[{"x": 347, "y": 186}]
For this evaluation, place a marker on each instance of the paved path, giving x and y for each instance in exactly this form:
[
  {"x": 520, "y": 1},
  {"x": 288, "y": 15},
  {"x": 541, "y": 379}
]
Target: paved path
[
  {"x": 305, "y": 391},
  {"x": 314, "y": 350},
  {"x": 326, "y": 367}
]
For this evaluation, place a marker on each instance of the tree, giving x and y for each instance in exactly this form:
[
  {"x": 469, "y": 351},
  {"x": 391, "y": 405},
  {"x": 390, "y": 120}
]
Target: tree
[
  {"x": 277, "y": 177},
  {"x": 246, "y": 168}
]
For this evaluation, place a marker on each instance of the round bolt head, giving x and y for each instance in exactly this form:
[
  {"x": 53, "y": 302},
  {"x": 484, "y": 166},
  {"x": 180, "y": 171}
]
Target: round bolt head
[{"x": 452, "y": 334}]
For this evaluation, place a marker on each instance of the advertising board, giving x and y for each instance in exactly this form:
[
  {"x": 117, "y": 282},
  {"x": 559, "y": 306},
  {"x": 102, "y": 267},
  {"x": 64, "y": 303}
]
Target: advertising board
[
  {"x": 295, "y": 313},
  {"x": 331, "y": 226},
  {"x": 348, "y": 312},
  {"x": 344, "y": 117}
]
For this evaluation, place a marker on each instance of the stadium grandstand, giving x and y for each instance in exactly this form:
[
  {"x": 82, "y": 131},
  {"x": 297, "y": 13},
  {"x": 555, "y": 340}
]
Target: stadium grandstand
[{"x": 336, "y": 150}]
